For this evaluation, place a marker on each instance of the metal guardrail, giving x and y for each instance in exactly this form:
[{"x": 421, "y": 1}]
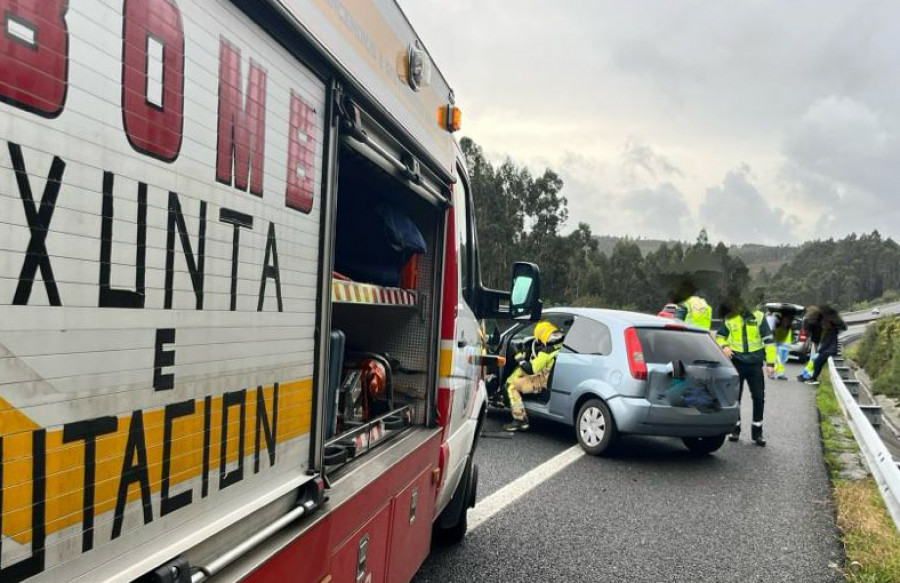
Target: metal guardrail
[{"x": 878, "y": 458}]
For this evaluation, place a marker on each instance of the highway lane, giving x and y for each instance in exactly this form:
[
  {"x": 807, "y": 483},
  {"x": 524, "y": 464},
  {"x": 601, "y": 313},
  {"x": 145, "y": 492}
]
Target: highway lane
[
  {"x": 867, "y": 315},
  {"x": 654, "y": 512}
]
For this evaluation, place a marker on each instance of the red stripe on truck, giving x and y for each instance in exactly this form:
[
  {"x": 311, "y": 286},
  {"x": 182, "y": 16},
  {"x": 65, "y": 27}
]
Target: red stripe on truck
[{"x": 451, "y": 282}]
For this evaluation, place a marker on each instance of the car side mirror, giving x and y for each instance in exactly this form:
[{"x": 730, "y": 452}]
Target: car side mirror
[{"x": 525, "y": 291}]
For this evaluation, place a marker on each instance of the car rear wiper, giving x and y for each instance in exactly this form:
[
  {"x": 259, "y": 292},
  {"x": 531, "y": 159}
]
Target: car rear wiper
[{"x": 707, "y": 362}]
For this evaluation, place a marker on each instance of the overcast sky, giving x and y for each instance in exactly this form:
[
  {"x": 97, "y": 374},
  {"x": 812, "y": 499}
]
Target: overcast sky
[{"x": 764, "y": 121}]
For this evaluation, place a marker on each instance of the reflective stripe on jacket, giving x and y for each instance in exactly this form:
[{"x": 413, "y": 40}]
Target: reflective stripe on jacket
[
  {"x": 749, "y": 337},
  {"x": 542, "y": 362}
]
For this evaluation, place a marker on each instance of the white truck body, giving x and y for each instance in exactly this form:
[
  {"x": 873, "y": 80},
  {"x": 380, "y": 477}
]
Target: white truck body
[{"x": 167, "y": 180}]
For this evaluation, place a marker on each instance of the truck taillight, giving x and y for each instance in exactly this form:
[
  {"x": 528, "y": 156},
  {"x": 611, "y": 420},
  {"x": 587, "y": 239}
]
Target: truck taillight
[{"x": 635, "y": 353}]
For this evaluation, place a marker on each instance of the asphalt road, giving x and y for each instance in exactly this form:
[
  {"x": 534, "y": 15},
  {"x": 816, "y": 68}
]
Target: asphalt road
[
  {"x": 867, "y": 315},
  {"x": 655, "y": 513}
]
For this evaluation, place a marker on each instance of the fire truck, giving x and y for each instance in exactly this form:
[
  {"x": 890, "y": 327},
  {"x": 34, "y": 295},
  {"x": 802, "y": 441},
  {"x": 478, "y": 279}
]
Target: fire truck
[{"x": 239, "y": 294}]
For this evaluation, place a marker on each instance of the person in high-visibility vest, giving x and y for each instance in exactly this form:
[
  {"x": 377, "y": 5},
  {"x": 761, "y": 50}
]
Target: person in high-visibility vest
[
  {"x": 694, "y": 311},
  {"x": 747, "y": 340},
  {"x": 533, "y": 373},
  {"x": 783, "y": 335}
]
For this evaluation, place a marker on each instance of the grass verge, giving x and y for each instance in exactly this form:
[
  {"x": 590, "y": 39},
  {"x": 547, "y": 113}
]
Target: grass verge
[{"x": 870, "y": 539}]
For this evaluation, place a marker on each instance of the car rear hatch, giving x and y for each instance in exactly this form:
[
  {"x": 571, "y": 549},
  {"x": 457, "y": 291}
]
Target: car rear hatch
[{"x": 685, "y": 371}]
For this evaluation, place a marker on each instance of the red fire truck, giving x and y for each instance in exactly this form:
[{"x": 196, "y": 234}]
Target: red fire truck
[{"x": 239, "y": 293}]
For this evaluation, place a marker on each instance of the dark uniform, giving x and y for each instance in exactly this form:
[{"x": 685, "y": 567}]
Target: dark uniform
[{"x": 752, "y": 344}]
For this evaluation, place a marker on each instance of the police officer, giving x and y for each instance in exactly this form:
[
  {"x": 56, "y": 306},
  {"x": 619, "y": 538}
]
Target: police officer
[
  {"x": 694, "y": 311},
  {"x": 747, "y": 340},
  {"x": 533, "y": 373}
]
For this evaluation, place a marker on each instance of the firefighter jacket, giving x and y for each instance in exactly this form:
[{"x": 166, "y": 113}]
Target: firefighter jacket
[
  {"x": 537, "y": 359},
  {"x": 749, "y": 337}
]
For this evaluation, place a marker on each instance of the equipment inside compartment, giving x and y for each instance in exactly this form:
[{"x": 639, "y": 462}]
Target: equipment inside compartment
[
  {"x": 379, "y": 238},
  {"x": 382, "y": 362}
]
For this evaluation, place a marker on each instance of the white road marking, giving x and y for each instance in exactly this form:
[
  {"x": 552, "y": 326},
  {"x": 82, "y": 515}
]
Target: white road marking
[{"x": 485, "y": 509}]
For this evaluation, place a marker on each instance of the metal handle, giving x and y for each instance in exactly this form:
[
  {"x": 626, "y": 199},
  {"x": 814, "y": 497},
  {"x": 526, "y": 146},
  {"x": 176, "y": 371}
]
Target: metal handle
[{"x": 235, "y": 553}]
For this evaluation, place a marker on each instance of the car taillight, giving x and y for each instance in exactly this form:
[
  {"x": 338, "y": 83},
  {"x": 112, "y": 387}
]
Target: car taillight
[
  {"x": 802, "y": 335},
  {"x": 635, "y": 352}
]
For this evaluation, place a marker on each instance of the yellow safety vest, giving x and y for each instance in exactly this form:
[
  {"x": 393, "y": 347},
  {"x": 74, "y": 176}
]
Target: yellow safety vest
[
  {"x": 753, "y": 342},
  {"x": 783, "y": 335},
  {"x": 698, "y": 314}
]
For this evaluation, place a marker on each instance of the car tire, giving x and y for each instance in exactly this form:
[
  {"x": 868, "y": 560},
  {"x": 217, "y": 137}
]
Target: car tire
[
  {"x": 704, "y": 445},
  {"x": 595, "y": 427}
]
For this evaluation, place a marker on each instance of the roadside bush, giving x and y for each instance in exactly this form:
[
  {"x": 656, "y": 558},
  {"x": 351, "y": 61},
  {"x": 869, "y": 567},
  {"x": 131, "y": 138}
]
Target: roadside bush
[
  {"x": 879, "y": 345},
  {"x": 888, "y": 382},
  {"x": 879, "y": 354}
]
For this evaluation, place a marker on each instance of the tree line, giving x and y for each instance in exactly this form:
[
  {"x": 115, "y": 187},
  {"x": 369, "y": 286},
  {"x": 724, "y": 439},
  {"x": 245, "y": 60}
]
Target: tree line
[
  {"x": 521, "y": 217},
  {"x": 843, "y": 272}
]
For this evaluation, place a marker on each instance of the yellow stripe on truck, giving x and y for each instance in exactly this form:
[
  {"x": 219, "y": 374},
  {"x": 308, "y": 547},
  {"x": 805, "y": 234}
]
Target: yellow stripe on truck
[
  {"x": 13, "y": 421},
  {"x": 445, "y": 364},
  {"x": 65, "y": 463}
]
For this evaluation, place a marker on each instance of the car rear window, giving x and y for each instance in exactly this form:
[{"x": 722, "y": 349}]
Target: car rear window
[{"x": 664, "y": 345}]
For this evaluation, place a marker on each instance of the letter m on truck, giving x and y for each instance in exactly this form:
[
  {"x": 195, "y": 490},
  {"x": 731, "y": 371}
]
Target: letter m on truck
[{"x": 239, "y": 293}]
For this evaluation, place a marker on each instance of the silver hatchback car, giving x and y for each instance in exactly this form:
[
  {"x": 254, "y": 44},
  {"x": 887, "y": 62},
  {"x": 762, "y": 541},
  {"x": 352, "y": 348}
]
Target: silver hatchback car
[{"x": 624, "y": 372}]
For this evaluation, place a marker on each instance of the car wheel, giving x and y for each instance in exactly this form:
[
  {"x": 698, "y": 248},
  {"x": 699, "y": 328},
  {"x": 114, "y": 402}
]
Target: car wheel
[
  {"x": 703, "y": 445},
  {"x": 595, "y": 428}
]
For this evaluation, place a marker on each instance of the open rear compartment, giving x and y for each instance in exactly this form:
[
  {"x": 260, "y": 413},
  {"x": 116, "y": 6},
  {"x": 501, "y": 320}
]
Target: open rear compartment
[{"x": 388, "y": 241}]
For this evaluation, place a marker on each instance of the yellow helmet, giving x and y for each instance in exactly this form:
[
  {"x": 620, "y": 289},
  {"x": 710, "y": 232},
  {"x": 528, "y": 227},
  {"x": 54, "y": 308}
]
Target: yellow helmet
[{"x": 543, "y": 330}]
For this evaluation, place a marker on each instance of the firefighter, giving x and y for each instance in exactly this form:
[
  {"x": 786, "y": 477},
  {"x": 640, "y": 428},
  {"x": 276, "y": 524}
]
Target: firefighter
[
  {"x": 747, "y": 340},
  {"x": 533, "y": 373}
]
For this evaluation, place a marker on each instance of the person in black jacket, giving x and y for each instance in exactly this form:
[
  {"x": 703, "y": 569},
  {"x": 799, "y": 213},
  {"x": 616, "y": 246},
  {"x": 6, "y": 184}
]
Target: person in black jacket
[{"x": 825, "y": 324}]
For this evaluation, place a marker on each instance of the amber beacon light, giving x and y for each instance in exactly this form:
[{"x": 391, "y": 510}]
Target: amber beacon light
[{"x": 450, "y": 118}]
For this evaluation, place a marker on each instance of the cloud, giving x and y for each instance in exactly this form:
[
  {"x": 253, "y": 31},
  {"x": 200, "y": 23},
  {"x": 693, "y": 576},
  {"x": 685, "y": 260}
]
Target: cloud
[
  {"x": 842, "y": 157},
  {"x": 632, "y": 196},
  {"x": 641, "y": 159},
  {"x": 660, "y": 211},
  {"x": 736, "y": 211},
  {"x": 804, "y": 92}
]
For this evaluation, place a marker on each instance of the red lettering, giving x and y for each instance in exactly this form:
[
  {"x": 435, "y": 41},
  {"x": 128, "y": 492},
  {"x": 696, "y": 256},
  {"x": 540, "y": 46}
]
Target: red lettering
[
  {"x": 34, "y": 55},
  {"x": 301, "y": 156},
  {"x": 242, "y": 123},
  {"x": 153, "y": 77}
]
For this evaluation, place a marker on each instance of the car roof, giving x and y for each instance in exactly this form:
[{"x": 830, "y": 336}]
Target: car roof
[{"x": 620, "y": 317}]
